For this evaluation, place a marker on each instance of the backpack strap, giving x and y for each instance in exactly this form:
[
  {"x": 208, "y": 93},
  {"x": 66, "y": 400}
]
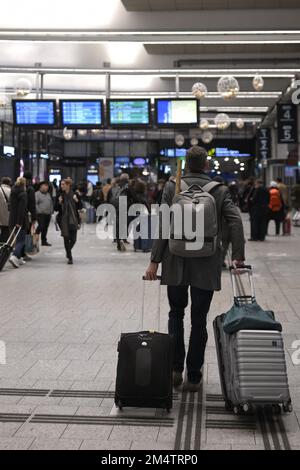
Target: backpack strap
[
  {"x": 210, "y": 186},
  {"x": 5, "y": 197}
]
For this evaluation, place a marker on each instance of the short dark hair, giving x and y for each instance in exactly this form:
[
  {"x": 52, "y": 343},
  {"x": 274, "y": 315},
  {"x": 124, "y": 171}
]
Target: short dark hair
[
  {"x": 196, "y": 158},
  {"x": 6, "y": 180},
  {"x": 279, "y": 180},
  {"x": 43, "y": 182},
  {"x": 28, "y": 175}
]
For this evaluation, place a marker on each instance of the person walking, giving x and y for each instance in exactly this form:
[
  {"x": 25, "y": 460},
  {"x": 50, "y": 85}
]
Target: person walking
[
  {"x": 260, "y": 204},
  {"x": 18, "y": 218},
  {"x": 201, "y": 274},
  {"x": 68, "y": 205},
  {"x": 44, "y": 208},
  {"x": 276, "y": 207},
  {"x": 5, "y": 191},
  {"x": 125, "y": 190},
  {"x": 31, "y": 211}
]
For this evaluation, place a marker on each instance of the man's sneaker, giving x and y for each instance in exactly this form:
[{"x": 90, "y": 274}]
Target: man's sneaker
[
  {"x": 27, "y": 258},
  {"x": 14, "y": 261},
  {"x": 191, "y": 387},
  {"x": 22, "y": 261},
  {"x": 177, "y": 379}
]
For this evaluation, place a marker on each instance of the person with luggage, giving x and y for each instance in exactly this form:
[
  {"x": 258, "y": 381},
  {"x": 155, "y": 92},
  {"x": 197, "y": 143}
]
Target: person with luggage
[
  {"x": 198, "y": 270},
  {"x": 31, "y": 214},
  {"x": 18, "y": 218},
  {"x": 68, "y": 205},
  {"x": 5, "y": 190},
  {"x": 276, "y": 207},
  {"x": 44, "y": 208},
  {"x": 259, "y": 202}
]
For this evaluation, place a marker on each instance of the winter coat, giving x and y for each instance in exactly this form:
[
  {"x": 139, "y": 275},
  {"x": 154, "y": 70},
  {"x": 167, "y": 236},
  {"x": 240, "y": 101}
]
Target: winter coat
[
  {"x": 18, "y": 208},
  {"x": 4, "y": 209},
  {"x": 68, "y": 213}
]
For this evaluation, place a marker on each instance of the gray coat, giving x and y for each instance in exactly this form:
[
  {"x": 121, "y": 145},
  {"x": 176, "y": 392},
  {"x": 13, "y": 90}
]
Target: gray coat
[
  {"x": 4, "y": 212},
  {"x": 204, "y": 273}
]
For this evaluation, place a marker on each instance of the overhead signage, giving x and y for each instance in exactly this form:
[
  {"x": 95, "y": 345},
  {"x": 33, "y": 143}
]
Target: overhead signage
[
  {"x": 264, "y": 144},
  {"x": 287, "y": 124}
]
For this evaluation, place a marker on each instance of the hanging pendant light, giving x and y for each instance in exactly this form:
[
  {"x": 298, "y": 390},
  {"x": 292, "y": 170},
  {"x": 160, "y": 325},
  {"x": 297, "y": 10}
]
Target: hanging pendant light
[
  {"x": 240, "y": 124},
  {"x": 67, "y": 133},
  {"x": 23, "y": 87},
  {"x": 228, "y": 87},
  {"x": 207, "y": 137},
  {"x": 204, "y": 124},
  {"x": 258, "y": 82},
  {"x": 222, "y": 121},
  {"x": 179, "y": 140},
  {"x": 194, "y": 141},
  {"x": 199, "y": 90}
]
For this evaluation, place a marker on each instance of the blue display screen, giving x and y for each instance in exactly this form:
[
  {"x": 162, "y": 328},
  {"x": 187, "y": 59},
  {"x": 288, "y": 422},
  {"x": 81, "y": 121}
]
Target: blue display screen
[
  {"x": 173, "y": 152},
  {"x": 131, "y": 112},
  {"x": 81, "y": 113},
  {"x": 35, "y": 113},
  {"x": 177, "y": 112},
  {"x": 226, "y": 152}
]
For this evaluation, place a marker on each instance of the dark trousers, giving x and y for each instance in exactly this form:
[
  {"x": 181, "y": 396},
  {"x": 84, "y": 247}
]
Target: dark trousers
[
  {"x": 44, "y": 222},
  {"x": 259, "y": 225},
  {"x": 278, "y": 218},
  {"x": 178, "y": 300},
  {"x": 20, "y": 244},
  {"x": 4, "y": 234},
  {"x": 70, "y": 242}
]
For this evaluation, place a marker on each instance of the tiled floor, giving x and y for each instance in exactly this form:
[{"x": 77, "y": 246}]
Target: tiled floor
[{"x": 61, "y": 325}]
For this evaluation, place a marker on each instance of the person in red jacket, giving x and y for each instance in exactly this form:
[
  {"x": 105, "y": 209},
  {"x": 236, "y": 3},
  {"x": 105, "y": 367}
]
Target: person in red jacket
[{"x": 276, "y": 206}]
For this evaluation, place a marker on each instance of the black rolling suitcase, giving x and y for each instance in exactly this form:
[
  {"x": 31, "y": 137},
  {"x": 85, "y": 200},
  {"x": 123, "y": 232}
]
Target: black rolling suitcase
[
  {"x": 7, "y": 248},
  {"x": 144, "y": 371}
]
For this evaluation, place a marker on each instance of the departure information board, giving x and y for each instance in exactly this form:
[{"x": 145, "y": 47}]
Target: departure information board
[
  {"x": 84, "y": 113},
  {"x": 37, "y": 113},
  {"x": 177, "y": 112},
  {"x": 129, "y": 112}
]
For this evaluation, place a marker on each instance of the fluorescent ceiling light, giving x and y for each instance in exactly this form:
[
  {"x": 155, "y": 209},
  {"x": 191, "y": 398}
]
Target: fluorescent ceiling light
[{"x": 123, "y": 53}]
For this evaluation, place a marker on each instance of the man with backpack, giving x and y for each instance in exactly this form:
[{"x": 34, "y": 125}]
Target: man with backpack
[
  {"x": 195, "y": 265},
  {"x": 276, "y": 206}
]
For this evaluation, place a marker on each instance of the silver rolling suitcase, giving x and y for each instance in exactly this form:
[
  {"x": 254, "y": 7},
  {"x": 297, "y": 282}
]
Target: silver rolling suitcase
[{"x": 251, "y": 363}]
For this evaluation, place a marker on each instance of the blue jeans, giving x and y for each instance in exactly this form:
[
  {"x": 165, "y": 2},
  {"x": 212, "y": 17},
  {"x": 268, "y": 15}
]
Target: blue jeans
[
  {"x": 178, "y": 300},
  {"x": 20, "y": 244}
]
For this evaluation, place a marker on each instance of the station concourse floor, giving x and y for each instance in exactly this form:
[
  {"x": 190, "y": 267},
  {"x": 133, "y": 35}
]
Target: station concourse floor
[{"x": 61, "y": 324}]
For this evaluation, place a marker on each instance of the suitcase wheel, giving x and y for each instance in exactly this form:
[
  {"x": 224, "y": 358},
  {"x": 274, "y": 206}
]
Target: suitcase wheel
[
  {"x": 236, "y": 410},
  {"x": 228, "y": 406},
  {"x": 246, "y": 407},
  {"x": 287, "y": 407},
  {"x": 276, "y": 409},
  {"x": 120, "y": 405}
]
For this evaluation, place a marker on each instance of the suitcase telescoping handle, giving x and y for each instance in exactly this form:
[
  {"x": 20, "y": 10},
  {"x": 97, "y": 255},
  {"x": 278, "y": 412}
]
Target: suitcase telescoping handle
[
  {"x": 235, "y": 274},
  {"x": 13, "y": 236},
  {"x": 158, "y": 278}
]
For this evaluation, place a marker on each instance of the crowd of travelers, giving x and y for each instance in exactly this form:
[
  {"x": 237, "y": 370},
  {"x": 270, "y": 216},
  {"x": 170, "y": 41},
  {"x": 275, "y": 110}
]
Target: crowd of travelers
[{"x": 28, "y": 206}]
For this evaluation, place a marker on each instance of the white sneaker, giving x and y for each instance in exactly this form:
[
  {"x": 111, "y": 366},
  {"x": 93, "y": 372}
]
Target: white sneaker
[
  {"x": 14, "y": 261},
  {"x": 22, "y": 261}
]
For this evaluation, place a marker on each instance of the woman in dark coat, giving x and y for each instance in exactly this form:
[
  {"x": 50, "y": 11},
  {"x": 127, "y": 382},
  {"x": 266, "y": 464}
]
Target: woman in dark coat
[
  {"x": 18, "y": 218},
  {"x": 68, "y": 205}
]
